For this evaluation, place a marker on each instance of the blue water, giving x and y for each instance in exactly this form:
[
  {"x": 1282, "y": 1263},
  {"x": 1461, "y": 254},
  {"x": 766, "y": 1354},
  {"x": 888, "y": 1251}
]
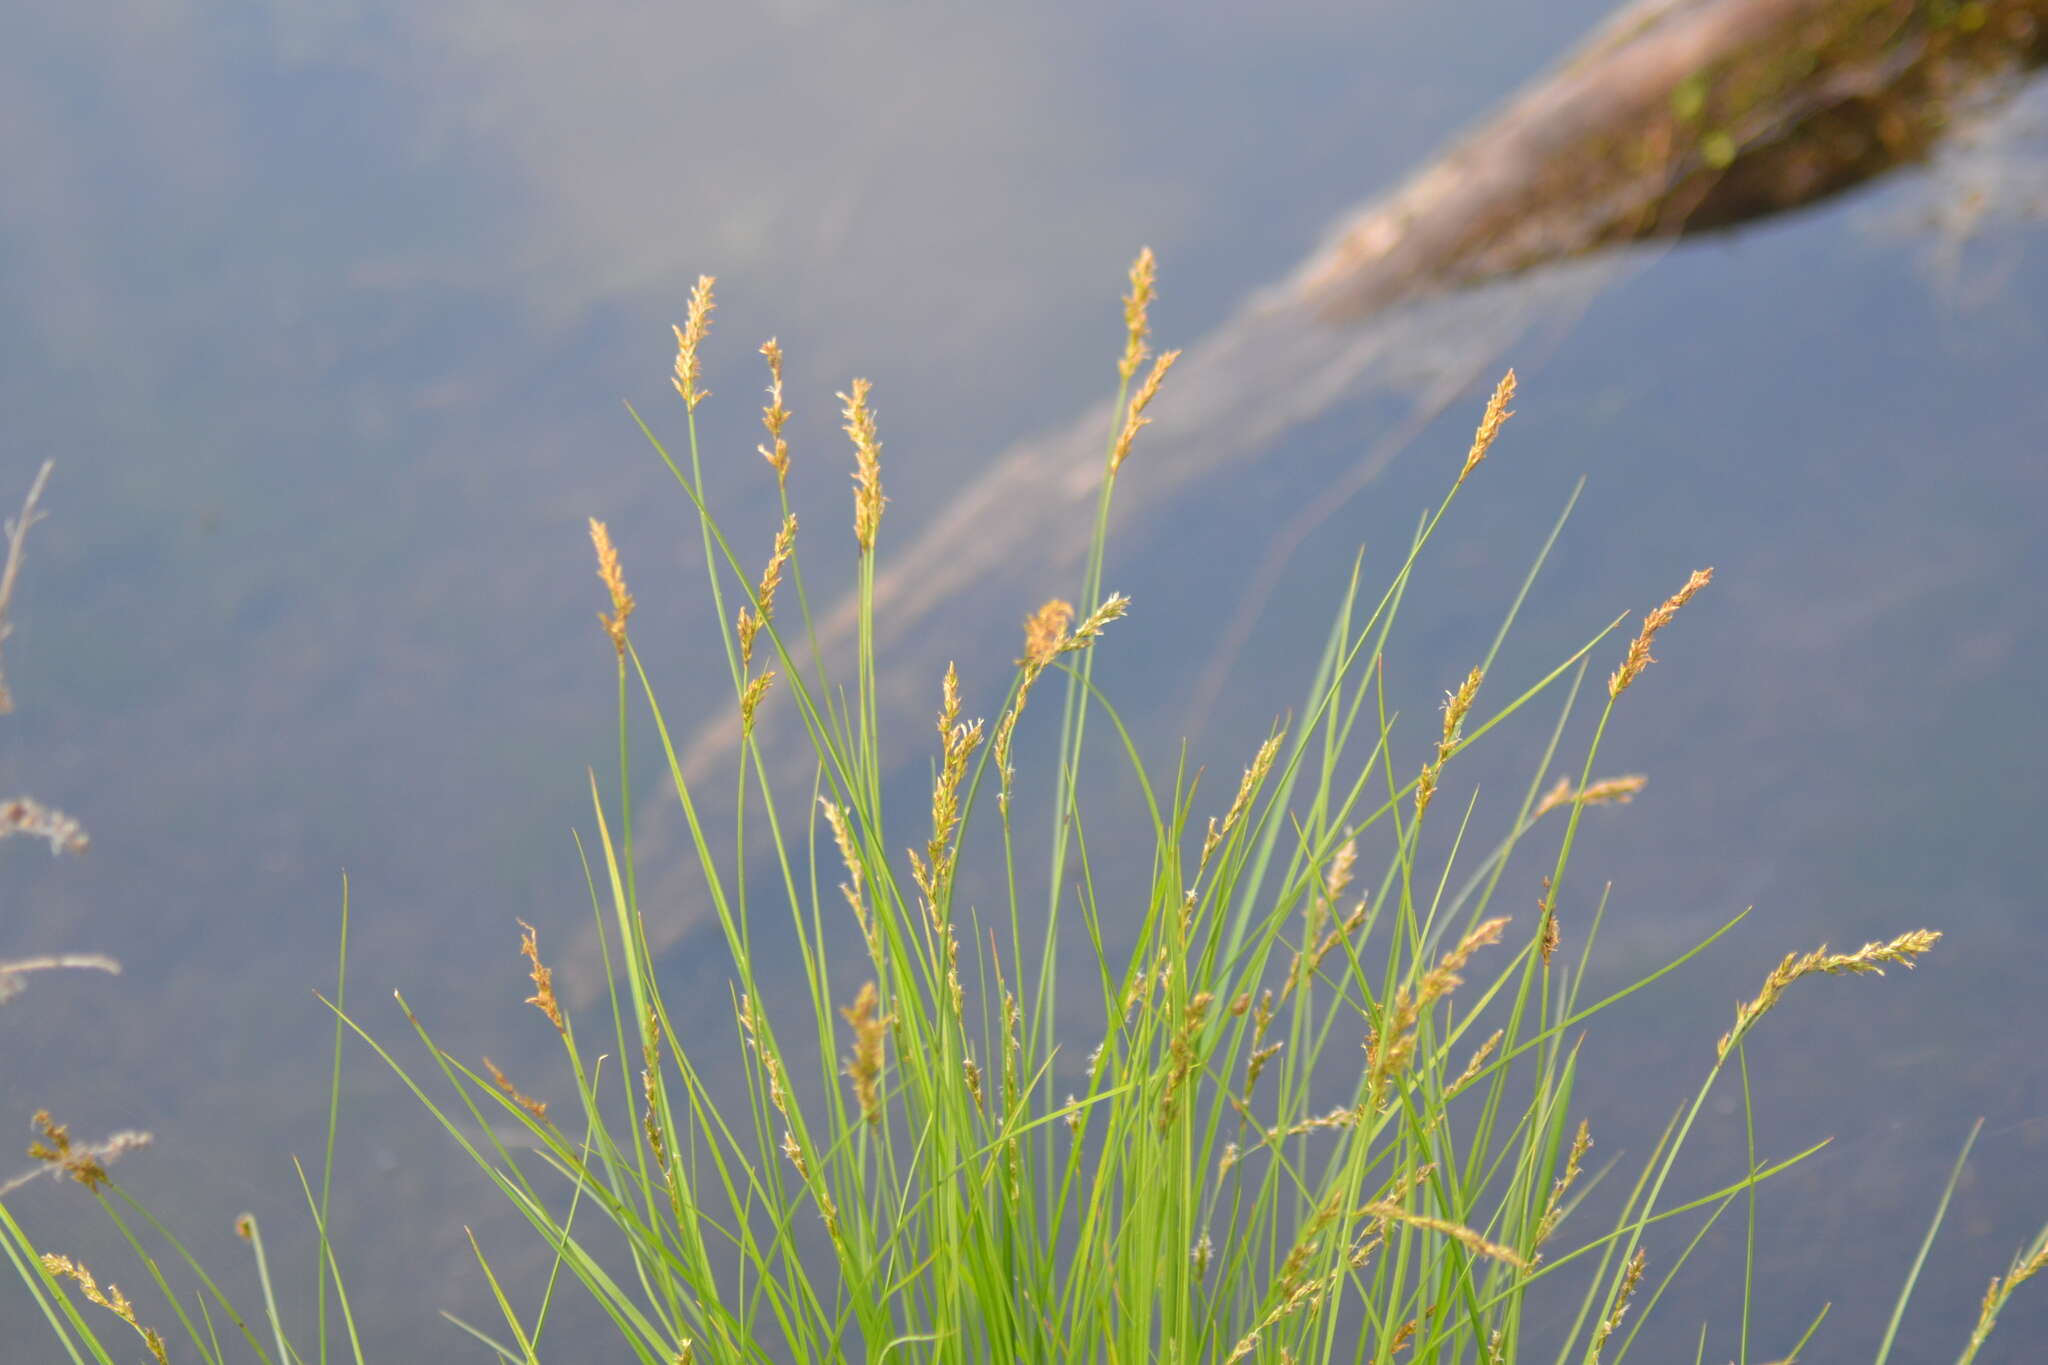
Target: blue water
[{"x": 326, "y": 316}]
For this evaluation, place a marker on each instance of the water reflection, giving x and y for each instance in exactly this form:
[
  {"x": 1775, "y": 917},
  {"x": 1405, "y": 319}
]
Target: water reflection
[{"x": 326, "y": 316}]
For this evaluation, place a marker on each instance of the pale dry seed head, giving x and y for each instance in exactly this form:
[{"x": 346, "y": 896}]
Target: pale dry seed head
[
  {"x": 867, "y": 456},
  {"x": 1639, "y": 657},
  {"x": 1490, "y": 423},
  {"x": 689, "y": 338},
  {"x": 24, "y": 816},
  {"x": 614, "y": 580},
  {"x": 16, "y": 531},
  {"x": 14, "y": 970},
  {"x": 86, "y": 1164}
]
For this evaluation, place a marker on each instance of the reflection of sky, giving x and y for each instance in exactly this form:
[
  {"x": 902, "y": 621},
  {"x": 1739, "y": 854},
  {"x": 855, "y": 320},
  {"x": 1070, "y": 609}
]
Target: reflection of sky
[{"x": 325, "y": 313}]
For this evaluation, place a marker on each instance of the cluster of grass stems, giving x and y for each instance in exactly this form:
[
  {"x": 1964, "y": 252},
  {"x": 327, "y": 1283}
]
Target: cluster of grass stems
[{"x": 1322, "y": 1114}]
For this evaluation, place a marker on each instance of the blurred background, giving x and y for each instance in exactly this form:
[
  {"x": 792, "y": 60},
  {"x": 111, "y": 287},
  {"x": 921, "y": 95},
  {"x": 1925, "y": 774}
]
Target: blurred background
[{"x": 327, "y": 312}]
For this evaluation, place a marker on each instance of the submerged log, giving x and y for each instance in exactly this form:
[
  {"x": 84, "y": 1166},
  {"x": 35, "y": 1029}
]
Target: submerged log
[{"x": 1679, "y": 117}]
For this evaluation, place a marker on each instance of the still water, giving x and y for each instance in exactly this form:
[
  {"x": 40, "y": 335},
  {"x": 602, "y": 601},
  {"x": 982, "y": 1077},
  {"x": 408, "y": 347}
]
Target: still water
[{"x": 326, "y": 313}]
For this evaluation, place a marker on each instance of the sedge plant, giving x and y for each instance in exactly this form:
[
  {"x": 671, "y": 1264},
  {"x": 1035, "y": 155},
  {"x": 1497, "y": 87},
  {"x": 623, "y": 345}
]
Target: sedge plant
[{"x": 1320, "y": 1101}]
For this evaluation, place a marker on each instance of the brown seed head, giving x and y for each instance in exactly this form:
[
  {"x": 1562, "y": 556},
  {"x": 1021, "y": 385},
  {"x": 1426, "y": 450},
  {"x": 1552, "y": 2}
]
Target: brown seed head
[
  {"x": 543, "y": 997},
  {"x": 537, "y": 1108}
]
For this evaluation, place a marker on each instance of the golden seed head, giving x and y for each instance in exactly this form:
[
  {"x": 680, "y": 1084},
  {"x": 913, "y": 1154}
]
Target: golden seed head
[
  {"x": 1247, "y": 787},
  {"x": 867, "y": 456},
  {"x": 1337, "y": 877},
  {"x": 1490, "y": 423},
  {"x": 614, "y": 580},
  {"x": 750, "y": 699},
  {"x": 1464, "y": 1236},
  {"x": 1638, "y": 657},
  {"x": 543, "y": 997},
  {"x": 959, "y": 740},
  {"x": 1456, "y": 704},
  {"x": 746, "y": 625},
  {"x": 111, "y": 1299},
  {"x": 864, "y": 1068},
  {"x": 1137, "y": 313},
  {"x": 689, "y": 338},
  {"x": 1134, "y": 415},
  {"x": 1559, "y": 795},
  {"x": 1617, "y": 791},
  {"x": 771, "y": 577},
  {"x": 1869, "y": 959},
  {"x": 1045, "y": 630},
  {"x": 21, "y": 815},
  {"x": 775, "y": 416}
]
